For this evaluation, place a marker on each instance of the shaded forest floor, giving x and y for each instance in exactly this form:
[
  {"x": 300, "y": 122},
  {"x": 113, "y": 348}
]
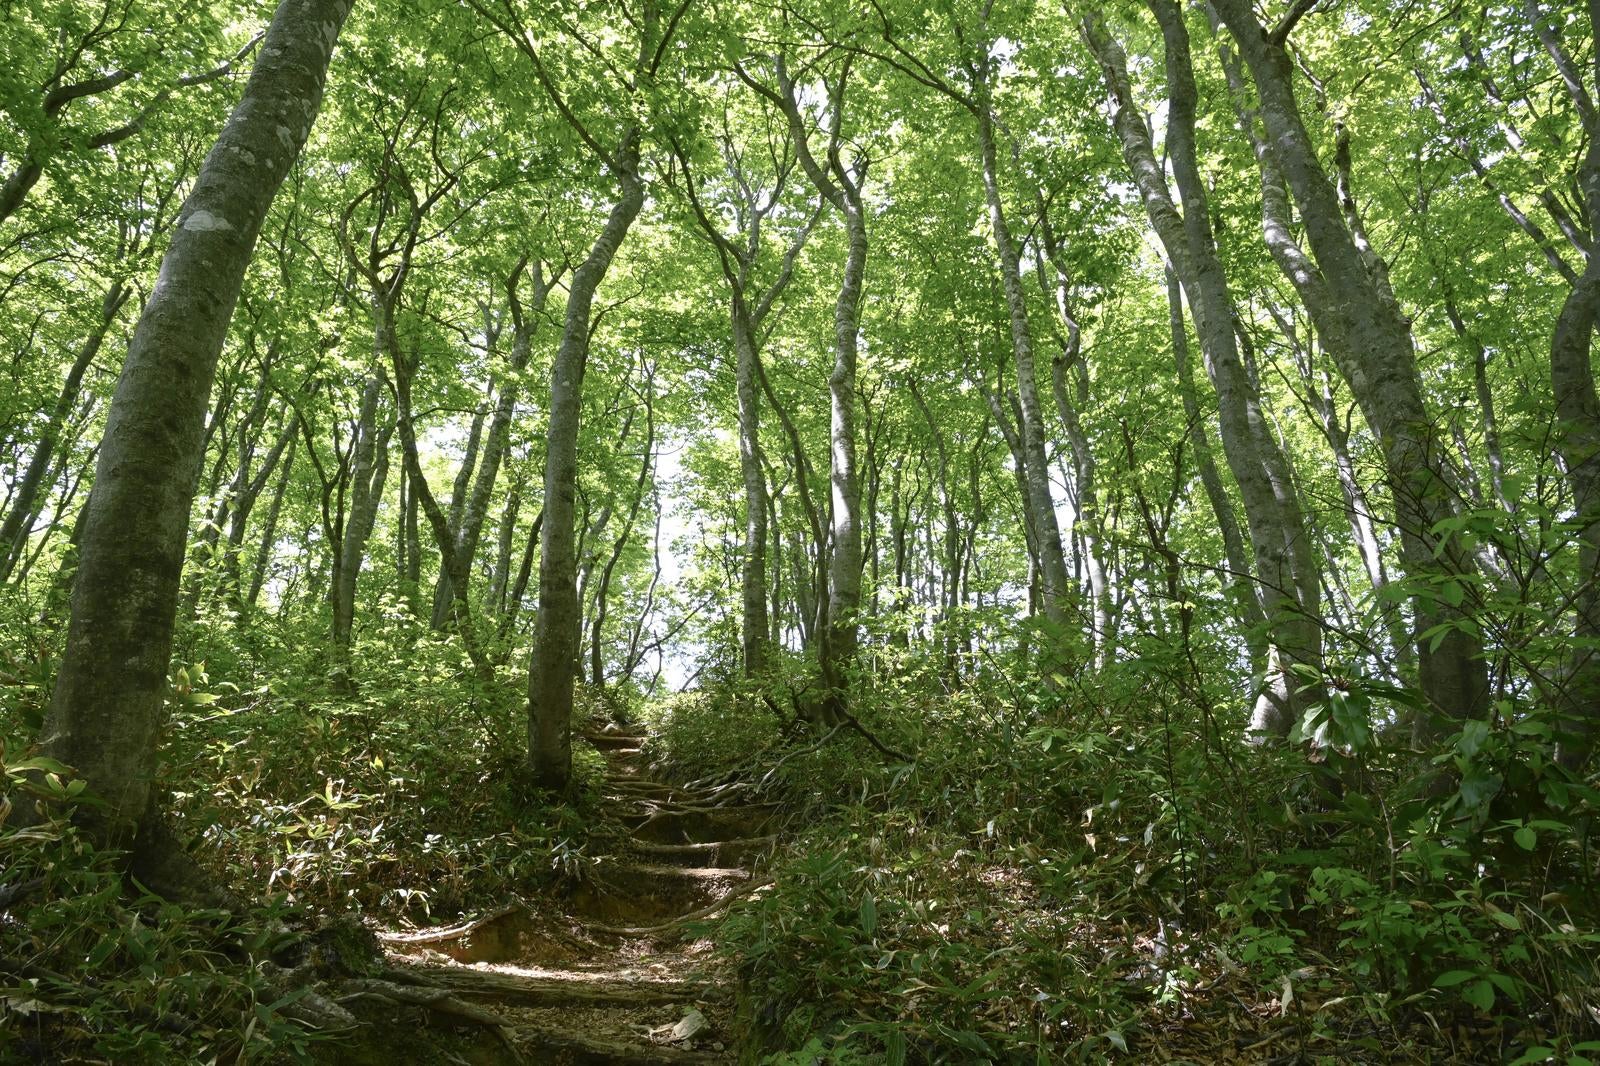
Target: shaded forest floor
[
  {"x": 1060, "y": 874},
  {"x": 623, "y": 975}
]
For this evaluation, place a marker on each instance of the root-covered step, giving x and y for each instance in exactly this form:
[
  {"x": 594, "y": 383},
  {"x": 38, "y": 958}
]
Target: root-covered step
[
  {"x": 638, "y": 997},
  {"x": 735, "y": 852}
]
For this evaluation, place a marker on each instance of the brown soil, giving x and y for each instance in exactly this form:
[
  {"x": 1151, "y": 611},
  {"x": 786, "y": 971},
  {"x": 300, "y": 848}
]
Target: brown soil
[{"x": 615, "y": 978}]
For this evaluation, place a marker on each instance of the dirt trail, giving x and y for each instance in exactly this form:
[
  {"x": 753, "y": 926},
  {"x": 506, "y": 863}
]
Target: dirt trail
[{"x": 618, "y": 980}]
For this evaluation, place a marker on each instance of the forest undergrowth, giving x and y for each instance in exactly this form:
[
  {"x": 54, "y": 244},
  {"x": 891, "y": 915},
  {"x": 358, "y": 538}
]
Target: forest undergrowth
[
  {"x": 403, "y": 804},
  {"x": 1084, "y": 868},
  {"x": 1073, "y": 869}
]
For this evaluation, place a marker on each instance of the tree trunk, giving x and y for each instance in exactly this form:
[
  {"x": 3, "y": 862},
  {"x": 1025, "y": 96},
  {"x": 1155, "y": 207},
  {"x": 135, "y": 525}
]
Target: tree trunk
[
  {"x": 753, "y": 579},
  {"x": 444, "y": 596},
  {"x": 1055, "y": 582},
  {"x": 1284, "y": 569},
  {"x": 553, "y": 666},
  {"x": 1371, "y": 343},
  {"x": 366, "y": 490},
  {"x": 14, "y": 531},
  {"x": 106, "y": 712},
  {"x": 1578, "y": 439},
  {"x": 1237, "y": 581},
  {"x": 269, "y": 529}
]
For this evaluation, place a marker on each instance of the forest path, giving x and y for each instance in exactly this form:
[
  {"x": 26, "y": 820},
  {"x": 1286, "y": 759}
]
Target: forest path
[{"x": 617, "y": 979}]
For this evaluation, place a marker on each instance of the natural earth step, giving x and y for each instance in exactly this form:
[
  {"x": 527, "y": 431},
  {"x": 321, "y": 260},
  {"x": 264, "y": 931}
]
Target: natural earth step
[
  {"x": 571, "y": 988},
  {"x": 588, "y": 1050},
  {"x": 627, "y": 1001},
  {"x": 711, "y": 852},
  {"x": 699, "y": 826},
  {"x": 642, "y": 784},
  {"x": 615, "y": 741},
  {"x": 638, "y": 871},
  {"x": 639, "y": 894}
]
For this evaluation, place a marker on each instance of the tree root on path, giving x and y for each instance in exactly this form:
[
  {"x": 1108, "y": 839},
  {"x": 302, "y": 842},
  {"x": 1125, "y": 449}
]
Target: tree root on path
[
  {"x": 692, "y": 916},
  {"x": 454, "y": 932},
  {"x": 526, "y": 991},
  {"x": 433, "y": 998}
]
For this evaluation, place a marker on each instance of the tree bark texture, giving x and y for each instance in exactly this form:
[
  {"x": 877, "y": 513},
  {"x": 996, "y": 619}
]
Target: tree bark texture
[{"x": 106, "y": 712}]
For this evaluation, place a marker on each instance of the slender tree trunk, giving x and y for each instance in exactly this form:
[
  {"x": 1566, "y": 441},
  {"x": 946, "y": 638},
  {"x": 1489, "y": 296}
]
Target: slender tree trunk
[
  {"x": 245, "y": 504},
  {"x": 106, "y": 712},
  {"x": 753, "y": 580},
  {"x": 366, "y": 490},
  {"x": 505, "y": 534},
  {"x": 553, "y": 667},
  {"x": 269, "y": 529},
  {"x": 14, "y": 530},
  {"x": 1055, "y": 582},
  {"x": 444, "y": 596},
  {"x": 1284, "y": 570},
  {"x": 519, "y": 587},
  {"x": 844, "y": 571},
  {"x": 640, "y": 490},
  {"x": 451, "y": 561},
  {"x": 1237, "y": 581}
]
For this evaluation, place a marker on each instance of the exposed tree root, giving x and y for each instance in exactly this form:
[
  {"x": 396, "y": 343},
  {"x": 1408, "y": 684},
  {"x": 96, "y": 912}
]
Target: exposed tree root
[
  {"x": 523, "y": 990},
  {"x": 438, "y": 1000},
  {"x": 454, "y": 932},
  {"x": 682, "y": 919}
]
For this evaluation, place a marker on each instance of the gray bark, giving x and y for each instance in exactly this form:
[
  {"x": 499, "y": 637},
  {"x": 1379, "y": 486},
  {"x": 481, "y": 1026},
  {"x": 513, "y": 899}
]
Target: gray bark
[
  {"x": 1578, "y": 413},
  {"x": 504, "y": 536},
  {"x": 443, "y": 591},
  {"x": 838, "y": 184},
  {"x": 366, "y": 490},
  {"x": 553, "y": 667},
  {"x": 1071, "y": 396},
  {"x": 747, "y": 312},
  {"x": 1237, "y": 581},
  {"x": 1284, "y": 570},
  {"x": 105, "y": 714},
  {"x": 1371, "y": 343},
  {"x": 269, "y": 528},
  {"x": 1055, "y": 582},
  {"x": 14, "y": 531}
]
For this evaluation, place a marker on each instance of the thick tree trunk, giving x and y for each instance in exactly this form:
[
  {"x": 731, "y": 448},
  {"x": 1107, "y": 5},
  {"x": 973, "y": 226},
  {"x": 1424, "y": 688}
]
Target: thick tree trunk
[
  {"x": 553, "y": 667},
  {"x": 1578, "y": 411},
  {"x": 1371, "y": 344},
  {"x": 1284, "y": 569},
  {"x": 106, "y": 712}
]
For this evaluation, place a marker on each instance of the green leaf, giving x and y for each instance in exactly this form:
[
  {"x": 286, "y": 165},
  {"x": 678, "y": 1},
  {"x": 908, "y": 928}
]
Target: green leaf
[
  {"x": 1480, "y": 994},
  {"x": 1505, "y": 919},
  {"x": 1451, "y": 978},
  {"x": 1526, "y": 837},
  {"x": 869, "y": 915},
  {"x": 1478, "y": 787}
]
